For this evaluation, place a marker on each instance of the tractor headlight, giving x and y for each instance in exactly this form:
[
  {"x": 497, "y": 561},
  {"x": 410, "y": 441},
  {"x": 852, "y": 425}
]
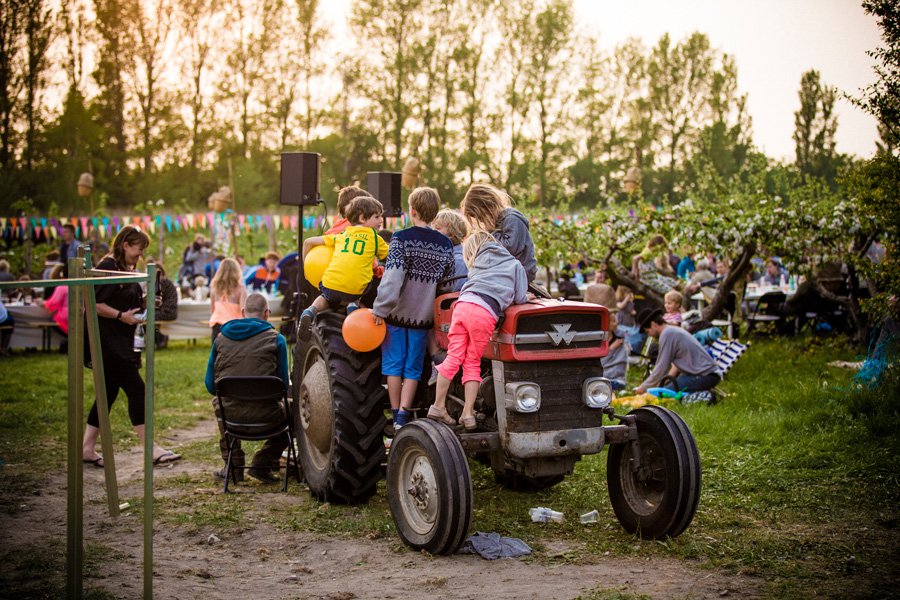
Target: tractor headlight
[
  {"x": 523, "y": 397},
  {"x": 597, "y": 392}
]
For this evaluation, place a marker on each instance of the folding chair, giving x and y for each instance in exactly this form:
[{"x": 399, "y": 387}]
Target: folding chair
[
  {"x": 731, "y": 305},
  {"x": 726, "y": 353},
  {"x": 766, "y": 309},
  {"x": 264, "y": 414}
]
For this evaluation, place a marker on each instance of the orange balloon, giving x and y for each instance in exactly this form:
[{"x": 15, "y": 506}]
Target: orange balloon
[
  {"x": 316, "y": 262},
  {"x": 360, "y": 331}
]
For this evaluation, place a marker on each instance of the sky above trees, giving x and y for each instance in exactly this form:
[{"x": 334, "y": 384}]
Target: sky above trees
[
  {"x": 553, "y": 100},
  {"x": 773, "y": 41}
]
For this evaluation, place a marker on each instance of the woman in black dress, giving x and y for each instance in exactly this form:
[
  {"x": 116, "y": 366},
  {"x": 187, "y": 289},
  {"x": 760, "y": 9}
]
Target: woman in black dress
[{"x": 117, "y": 305}]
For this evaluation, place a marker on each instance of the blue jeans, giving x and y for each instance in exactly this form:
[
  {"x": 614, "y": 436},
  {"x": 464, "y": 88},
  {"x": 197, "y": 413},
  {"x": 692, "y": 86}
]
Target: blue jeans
[{"x": 696, "y": 383}]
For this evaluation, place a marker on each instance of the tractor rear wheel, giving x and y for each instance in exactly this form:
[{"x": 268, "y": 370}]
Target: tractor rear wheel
[
  {"x": 429, "y": 487},
  {"x": 339, "y": 414},
  {"x": 660, "y": 497}
]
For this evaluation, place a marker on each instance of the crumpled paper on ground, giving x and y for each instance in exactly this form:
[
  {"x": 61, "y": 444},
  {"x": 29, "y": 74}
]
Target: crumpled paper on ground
[
  {"x": 845, "y": 364},
  {"x": 492, "y": 546}
]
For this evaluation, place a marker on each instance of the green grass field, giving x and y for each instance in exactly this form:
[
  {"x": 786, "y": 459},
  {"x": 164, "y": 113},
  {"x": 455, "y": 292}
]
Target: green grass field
[{"x": 800, "y": 476}]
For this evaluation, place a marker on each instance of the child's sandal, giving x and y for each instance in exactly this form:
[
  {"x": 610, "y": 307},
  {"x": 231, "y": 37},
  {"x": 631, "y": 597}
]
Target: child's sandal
[
  {"x": 468, "y": 422},
  {"x": 436, "y": 413}
]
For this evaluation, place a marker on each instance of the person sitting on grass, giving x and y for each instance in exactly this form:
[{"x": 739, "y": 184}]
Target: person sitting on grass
[
  {"x": 496, "y": 281},
  {"x": 348, "y": 274},
  {"x": 249, "y": 346},
  {"x": 680, "y": 356}
]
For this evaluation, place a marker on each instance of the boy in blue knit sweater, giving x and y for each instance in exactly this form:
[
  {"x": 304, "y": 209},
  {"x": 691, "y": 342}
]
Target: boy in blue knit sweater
[{"x": 418, "y": 257}]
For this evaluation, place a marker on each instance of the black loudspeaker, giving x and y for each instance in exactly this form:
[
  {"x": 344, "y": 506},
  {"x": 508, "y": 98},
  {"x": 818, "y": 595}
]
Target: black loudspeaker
[
  {"x": 300, "y": 178},
  {"x": 385, "y": 187}
]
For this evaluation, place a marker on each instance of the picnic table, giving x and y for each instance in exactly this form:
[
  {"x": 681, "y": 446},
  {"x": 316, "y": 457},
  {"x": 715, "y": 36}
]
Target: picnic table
[{"x": 34, "y": 327}]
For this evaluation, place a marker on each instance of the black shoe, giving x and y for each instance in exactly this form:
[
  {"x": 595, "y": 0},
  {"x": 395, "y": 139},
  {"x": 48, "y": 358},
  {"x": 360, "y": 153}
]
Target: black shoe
[
  {"x": 304, "y": 329},
  {"x": 264, "y": 475},
  {"x": 238, "y": 474}
]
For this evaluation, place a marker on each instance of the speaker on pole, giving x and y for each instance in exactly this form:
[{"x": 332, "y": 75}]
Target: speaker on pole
[
  {"x": 385, "y": 187},
  {"x": 300, "y": 178}
]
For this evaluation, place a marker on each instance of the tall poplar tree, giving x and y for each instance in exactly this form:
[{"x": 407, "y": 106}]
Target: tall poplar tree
[
  {"x": 113, "y": 49},
  {"x": 815, "y": 124},
  {"x": 39, "y": 32},
  {"x": 390, "y": 30}
]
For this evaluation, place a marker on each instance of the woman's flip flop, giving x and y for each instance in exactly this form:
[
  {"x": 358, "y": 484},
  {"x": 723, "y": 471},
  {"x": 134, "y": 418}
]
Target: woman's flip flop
[
  {"x": 97, "y": 462},
  {"x": 166, "y": 458}
]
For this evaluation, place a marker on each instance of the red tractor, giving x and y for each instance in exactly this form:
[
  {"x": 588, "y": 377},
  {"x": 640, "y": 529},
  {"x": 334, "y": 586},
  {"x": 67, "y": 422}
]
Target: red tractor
[{"x": 541, "y": 407}]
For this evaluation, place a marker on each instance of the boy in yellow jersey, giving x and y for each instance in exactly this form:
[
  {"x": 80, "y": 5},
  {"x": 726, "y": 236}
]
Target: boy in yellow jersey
[{"x": 350, "y": 270}]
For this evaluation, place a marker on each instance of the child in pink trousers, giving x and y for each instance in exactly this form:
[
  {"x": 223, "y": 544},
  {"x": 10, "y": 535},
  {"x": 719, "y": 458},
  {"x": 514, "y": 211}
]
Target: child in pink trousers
[{"x": 496, "y": 281}]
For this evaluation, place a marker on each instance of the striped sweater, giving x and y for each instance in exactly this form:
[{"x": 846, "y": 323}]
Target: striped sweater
[{"x": 418, "y": 257}]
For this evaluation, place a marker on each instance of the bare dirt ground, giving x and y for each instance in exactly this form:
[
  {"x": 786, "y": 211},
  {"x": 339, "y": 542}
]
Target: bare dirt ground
[{"x": 260, "y": 562}]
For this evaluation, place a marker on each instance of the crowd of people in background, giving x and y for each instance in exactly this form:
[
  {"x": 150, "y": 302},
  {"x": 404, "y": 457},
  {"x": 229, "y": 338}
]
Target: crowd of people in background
[{"x": 200, "y": 264}]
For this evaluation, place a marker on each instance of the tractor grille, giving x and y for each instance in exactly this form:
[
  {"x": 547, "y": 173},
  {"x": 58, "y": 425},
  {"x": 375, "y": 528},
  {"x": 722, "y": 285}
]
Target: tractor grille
[
  {"x": 561, "y": 403},
  {"x": 572, "y": 323}
]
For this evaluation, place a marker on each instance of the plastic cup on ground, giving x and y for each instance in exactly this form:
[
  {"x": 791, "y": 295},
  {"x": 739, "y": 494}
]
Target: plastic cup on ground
[{"x": 591, "y": 517}]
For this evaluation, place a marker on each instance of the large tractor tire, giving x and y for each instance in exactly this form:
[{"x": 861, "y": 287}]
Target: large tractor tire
[
  {"x": 660, "y": 498},
  {"x": 339, "y": 414},
  {"x": 429, "y": 487}
]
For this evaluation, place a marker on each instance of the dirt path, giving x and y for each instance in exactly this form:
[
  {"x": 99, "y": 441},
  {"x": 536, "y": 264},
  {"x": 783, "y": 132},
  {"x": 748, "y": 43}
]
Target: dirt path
[{"x": 259, "y": 562}]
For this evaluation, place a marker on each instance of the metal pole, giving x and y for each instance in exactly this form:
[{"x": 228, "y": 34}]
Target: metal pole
[
  {"x": 75, "y": 476},
  {"x": 300, "y": 274},
  {"x": 109, "y": 463},
  {"x": 149, "y": 375}
]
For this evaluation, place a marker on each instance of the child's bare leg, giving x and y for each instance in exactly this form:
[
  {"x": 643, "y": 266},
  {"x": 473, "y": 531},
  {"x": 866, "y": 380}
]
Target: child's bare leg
[
  {"x": 408, "y": 393},
  {"x": 440, "y": 392},
  {"x": 471, "y": 393},
  {"x": 432, "y": 343},
  {"x": 394, "y": 383},
  {"x": 304, "y": 327},
  {"x": 319, "y": 304}
]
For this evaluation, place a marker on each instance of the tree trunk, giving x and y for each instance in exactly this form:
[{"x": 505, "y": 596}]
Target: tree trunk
[
  {"x": 620, "y": 275},
  {"x": 738, "y": 271}
]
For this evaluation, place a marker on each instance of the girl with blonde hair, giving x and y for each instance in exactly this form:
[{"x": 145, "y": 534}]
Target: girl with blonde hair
[
  {"x": 489, "y": 209},
  {"x": 496, "y": 281},
  {"x": 454, "y": 226},
  {"x": 227, "y": 294}
]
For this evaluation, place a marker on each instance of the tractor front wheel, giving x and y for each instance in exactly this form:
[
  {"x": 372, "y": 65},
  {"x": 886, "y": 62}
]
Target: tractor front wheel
[
  {"x": 655, "y": 491},
  {"x": 429, "y": 487}
]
